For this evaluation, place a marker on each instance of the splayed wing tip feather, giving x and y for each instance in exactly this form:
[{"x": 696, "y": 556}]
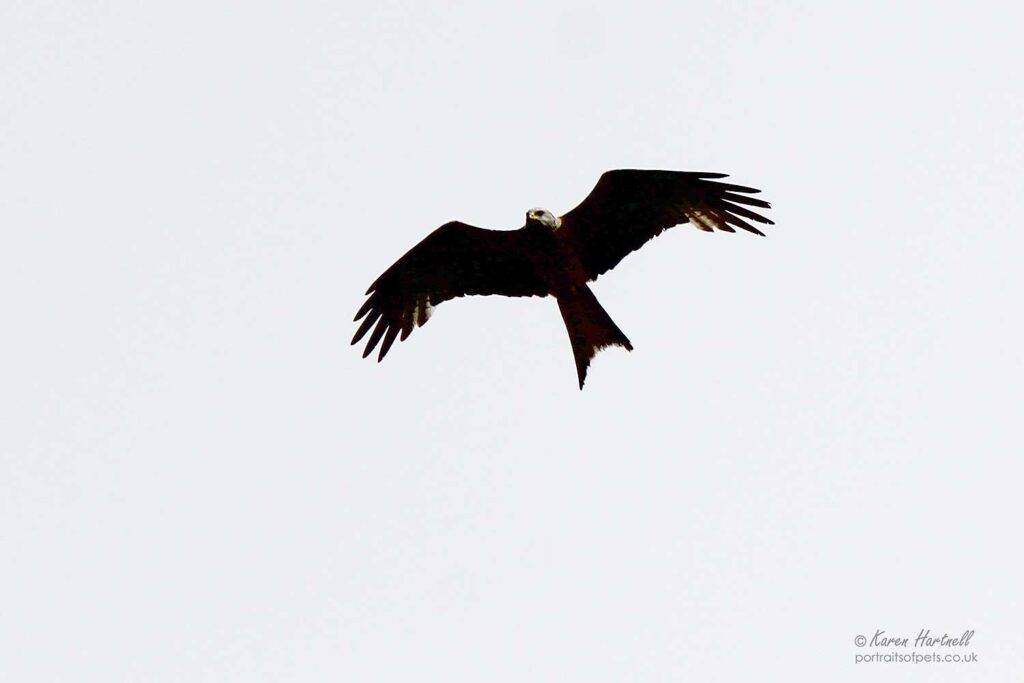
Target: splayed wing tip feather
[{"x": 389, "y": 339}]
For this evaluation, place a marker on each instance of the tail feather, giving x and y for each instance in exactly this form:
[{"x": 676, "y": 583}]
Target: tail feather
[{"x": 590, "y": 327}]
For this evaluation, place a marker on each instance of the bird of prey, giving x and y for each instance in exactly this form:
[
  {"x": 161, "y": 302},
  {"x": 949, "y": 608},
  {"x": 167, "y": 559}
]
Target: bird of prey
[{"x": 552, "y": 256}]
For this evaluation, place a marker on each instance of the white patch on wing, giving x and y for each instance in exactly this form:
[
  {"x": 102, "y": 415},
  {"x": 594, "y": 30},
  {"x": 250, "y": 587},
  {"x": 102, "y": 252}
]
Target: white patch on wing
[
  {"x": 422, "y": 312},
  {"x": 702, "y": 220}
]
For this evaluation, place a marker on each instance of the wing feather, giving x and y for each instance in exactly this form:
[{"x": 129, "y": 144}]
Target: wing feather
[{"x": 749, "y": 201}]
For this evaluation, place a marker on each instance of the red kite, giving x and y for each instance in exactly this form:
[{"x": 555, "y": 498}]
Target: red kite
[{"x": 552, "y": 256}]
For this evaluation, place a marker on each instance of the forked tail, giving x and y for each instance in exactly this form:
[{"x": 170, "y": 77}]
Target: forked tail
[{"x": 590, "y": 327}]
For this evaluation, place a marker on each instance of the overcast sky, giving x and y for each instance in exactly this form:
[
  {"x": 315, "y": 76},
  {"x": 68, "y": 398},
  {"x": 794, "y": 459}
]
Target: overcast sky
[{"x": 816, "y": 436}]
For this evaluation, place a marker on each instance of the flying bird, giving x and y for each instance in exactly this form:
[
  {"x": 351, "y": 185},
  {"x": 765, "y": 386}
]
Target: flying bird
[{"x": 553, "y": 256}]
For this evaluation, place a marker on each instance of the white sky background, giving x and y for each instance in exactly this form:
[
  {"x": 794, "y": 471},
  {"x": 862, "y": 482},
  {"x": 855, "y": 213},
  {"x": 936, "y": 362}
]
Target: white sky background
[{"x": 816, "y": 436}]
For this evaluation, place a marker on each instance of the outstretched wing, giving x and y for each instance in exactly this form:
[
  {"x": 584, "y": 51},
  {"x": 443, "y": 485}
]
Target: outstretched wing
[
  {"x": 454, "y": 260},
  {"x": 629, "y": 207}
]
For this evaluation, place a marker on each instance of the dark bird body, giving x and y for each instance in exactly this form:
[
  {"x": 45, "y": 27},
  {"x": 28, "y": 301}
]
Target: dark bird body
[{"x": 551, "y": 256}]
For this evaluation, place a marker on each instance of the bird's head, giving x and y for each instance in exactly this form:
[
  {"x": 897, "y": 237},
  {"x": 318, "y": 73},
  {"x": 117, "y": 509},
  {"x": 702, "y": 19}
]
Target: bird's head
[{"x": 544, "y": 217}]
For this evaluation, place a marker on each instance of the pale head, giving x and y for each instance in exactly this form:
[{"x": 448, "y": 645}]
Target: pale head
[{"x": 544, "y": 217}]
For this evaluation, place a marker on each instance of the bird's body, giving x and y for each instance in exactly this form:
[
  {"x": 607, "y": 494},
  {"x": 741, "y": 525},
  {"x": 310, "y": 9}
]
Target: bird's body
[{"x": 552, "y": 256}]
